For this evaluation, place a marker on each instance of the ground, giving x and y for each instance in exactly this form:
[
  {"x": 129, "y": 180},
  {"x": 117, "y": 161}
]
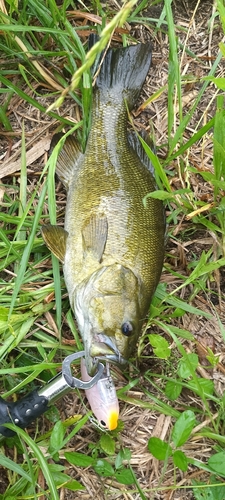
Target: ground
[{"x": 200, "y": 33}]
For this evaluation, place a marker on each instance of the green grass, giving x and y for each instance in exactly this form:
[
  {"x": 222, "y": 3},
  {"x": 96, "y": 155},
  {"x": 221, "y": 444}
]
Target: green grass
[{"x": 46, "y": 65}]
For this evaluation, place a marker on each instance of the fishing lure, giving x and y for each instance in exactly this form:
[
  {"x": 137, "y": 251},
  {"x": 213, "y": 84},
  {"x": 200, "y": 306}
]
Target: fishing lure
[{"x": 102, "y": 398}]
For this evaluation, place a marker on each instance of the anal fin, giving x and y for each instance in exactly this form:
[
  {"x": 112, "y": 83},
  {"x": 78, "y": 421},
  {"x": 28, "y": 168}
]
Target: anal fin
[{"x": 55, "y": 239}]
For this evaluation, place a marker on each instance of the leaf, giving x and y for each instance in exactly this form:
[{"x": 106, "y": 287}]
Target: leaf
[
  {"x": 162, "y": 353},
  {"x": 221, "y": 45},
  {"x": 57, "y": 436},
  {"x": 74, "y": 485},
  {"x": 124, "y": 454},
  {"x": 211, "y": 492},
  {"x": 76, "y": 458},
  {"x": 160, "y": 346},
  {"x": 188, "y": 365},
  {"x": 219, "y": 82},
  {"x": 159, "y": 195},
  {"x": 107, "y": 444},
  {"x": 212, "y": 358},
  {"x": 73, "y": 419},
  {"x": 176, "y": 302},
  {"x": 11, "y": 465},
  {"x": 103, "y": 468},
  {"x": 217, "y": 463},
  {"x": 180, "y": 332},
  {"x": 157, "y": 340},
  {"x": 206, "y": 386},
  {"x": 56, "y": 467},
  {"x": 60, "y": 478},
  {"x": 164, "y": 195},
  {"x": 124, "y": 476},
  {"x": 180, "y": 460},
  {"x": 183, "y": 427},
  {"x": 177, "y": 313},
  {"x": 159, "y": 448},
  {"x": 155, "y": 311},
  {"x": 173, "y": 390}
]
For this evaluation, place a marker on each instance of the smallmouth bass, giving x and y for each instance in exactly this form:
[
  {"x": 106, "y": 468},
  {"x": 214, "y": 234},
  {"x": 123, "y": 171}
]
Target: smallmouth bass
[{"x": 112, "y": 247}]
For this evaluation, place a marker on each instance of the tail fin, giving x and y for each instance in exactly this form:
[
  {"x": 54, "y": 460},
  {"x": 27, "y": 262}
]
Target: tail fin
[{"x": 123, "y": 72}]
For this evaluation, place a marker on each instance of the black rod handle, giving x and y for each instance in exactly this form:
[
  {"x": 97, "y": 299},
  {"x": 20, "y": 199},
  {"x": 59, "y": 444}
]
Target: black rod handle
[{"x": 22, "y": 412}]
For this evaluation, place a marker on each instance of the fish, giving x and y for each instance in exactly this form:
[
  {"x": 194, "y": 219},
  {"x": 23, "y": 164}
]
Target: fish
[
  {"x": 112, "y": 244},
  {"x": 102, "y": 398}
]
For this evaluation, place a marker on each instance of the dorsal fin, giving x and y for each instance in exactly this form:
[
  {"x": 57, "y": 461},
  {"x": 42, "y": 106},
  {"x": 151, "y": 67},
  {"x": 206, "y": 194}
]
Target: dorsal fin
[
  {"x": 68, "y": 158},
  {"x": 94, "y": 236},
  {"x": 139, "y": 150}
]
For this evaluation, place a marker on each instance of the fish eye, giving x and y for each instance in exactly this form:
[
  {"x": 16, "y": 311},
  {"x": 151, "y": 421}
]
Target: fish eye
[{"x": 127, "y": 328}]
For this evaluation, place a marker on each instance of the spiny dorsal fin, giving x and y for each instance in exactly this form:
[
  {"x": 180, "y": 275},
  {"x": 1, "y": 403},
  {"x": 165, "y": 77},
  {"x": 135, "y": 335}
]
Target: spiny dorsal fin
[
  {"x": 67, "y": 159},
  {"x": 55, "y": 239},
  {"x": 95, "y": 236}
]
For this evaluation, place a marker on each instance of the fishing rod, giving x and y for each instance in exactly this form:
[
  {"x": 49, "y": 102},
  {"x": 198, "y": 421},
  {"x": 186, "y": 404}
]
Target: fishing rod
[{"x": 37, "y": 402}]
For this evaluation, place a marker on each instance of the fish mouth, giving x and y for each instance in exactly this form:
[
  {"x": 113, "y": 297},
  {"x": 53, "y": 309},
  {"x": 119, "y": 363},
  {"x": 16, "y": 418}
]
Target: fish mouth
[{"x": 104, "y": 348}]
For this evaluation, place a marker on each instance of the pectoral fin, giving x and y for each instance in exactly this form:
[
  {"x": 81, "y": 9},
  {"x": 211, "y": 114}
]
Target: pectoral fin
[
  {"x": 95, "y": 236},
  {"x": 55, "y": 239},
  {"x": 68, "y": 158}
]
